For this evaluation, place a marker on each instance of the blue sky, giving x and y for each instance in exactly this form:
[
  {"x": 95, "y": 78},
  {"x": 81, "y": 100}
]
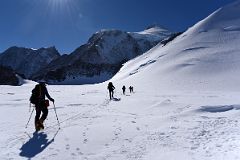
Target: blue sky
[{"x": 67, "y": 24}]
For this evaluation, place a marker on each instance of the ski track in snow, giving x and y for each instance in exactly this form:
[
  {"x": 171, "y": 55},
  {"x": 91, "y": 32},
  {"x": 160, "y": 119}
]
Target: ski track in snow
[{"x": 93, "y": 127}]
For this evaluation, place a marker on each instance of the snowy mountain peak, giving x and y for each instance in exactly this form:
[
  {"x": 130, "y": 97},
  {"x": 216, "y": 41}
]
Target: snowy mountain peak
[
  {"x": 100, "y": 58},
  {"x": 16, "y": 48},
  {"x": 51, "y": 48},
  {"x": 105, "y": 34},
  {"x": 153, "y": 34},
  {"x": 156, "y": 29},
  {"x": 153, "y": 26},
  {"x": 114, "y": 46}
]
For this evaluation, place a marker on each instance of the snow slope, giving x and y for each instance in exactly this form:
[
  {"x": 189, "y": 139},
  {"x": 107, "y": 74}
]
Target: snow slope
[
  {"x": 206, "y": 56},
  {"x": 146, "y": 125}
]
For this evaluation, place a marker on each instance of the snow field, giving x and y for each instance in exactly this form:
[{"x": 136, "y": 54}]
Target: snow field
[{"x": 162, "y": 125}]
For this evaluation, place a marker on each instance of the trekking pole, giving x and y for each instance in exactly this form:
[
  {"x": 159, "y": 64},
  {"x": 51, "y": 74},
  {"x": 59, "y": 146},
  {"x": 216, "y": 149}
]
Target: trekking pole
[
  {"x": 56, "y": 114},
  {"x": 29, "y": 118},
  {"x": 29, "y": 107}
]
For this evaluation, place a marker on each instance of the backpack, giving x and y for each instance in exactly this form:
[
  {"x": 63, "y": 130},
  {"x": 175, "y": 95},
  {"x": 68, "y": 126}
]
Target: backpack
[{"x": 35, "y": 95}]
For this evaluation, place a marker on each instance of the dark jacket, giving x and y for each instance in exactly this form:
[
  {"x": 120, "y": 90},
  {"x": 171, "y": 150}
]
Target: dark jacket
[
  {"x": 41, "y": 92},
  {"x": 111, "y": 87}
]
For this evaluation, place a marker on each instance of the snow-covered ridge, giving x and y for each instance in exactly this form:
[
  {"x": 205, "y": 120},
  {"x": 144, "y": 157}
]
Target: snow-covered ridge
[
  {"x": 103, "y": 54},
  {"x": 155, "y": 30},
  {"x": 205, "y": 56},
  {"x": 152, "y": 34},
  {"x": 225, "y": 18}
]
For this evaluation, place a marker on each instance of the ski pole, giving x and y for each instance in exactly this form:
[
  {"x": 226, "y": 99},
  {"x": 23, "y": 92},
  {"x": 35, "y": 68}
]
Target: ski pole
[
  {"x": 56, "y": 114},
  {"x": 29, "y": 118}
]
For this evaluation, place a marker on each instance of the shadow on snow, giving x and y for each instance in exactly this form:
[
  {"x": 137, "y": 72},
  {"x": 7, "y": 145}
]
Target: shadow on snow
[
  {"x": 218, "y": 108},
  {"x": 35, "y": 145},
  {"x": 116, "y": 99}
]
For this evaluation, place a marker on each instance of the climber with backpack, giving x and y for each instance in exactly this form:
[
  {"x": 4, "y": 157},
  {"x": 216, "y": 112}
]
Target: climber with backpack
[
  {"x": 41, "y": 105},
  {"x": 110, "y": 89}
]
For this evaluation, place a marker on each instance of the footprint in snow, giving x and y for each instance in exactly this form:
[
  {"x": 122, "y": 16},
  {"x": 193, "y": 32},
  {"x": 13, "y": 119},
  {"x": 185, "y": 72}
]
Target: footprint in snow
[
  {"x": 67, "y": 147},
  {"x": 17, "y": 100},
  {"x": 73, "y": 154},
  {"x": 85, "y": 141},
  {"x": 80, "y": 153},
  {"x": 106, "y": 102}
]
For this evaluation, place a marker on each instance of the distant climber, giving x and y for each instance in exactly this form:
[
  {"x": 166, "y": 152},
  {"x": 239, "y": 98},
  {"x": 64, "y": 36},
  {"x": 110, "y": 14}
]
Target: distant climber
[
  {"x": 124, "y": 89},
  {"x": 131, "y": 89},
  {"x": 110, "y": 89},
  {"x": 41, "y": 105}
]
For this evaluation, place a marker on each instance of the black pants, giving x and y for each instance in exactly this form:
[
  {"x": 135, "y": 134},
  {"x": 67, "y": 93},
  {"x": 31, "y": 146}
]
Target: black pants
[
  {"x": 111, "y": 94},
  {"x": 40, "y": 107}
]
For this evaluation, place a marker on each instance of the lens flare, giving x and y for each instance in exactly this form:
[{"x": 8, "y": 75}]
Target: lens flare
[
  {"x": 60, "y": 8},
  {"x": 58, "y": 2},
  {"x": 59, "y": 5}
]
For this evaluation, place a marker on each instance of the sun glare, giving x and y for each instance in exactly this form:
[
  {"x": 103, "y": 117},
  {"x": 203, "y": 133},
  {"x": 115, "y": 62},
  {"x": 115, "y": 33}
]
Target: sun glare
[
  {"x": 58, "y": 3},
  {"x": 57, "y": 7}
]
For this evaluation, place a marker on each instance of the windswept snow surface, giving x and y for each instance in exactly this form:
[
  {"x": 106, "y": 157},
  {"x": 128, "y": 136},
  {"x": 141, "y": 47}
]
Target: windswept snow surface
[{"x": 146, "y": 125}]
